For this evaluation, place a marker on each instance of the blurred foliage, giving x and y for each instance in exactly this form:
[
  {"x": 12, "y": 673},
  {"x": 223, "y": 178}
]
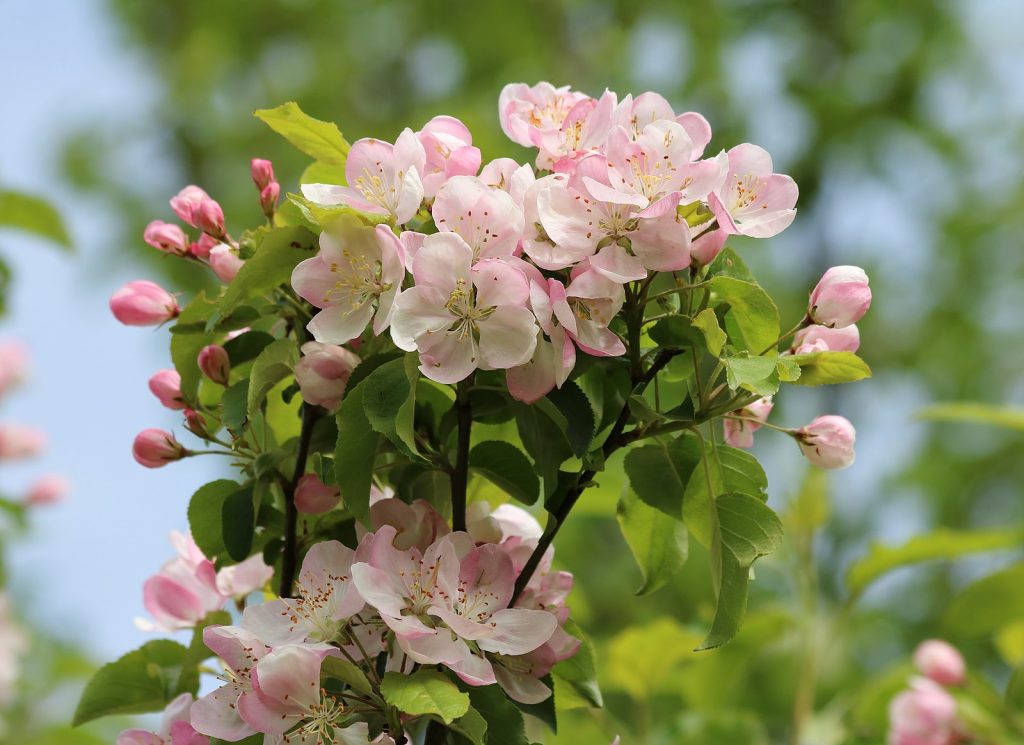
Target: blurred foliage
[{"x": 898, "y": 122}]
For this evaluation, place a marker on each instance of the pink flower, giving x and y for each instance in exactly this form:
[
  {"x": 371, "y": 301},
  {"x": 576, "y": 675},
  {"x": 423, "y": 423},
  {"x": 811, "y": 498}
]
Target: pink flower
[
  {"x": 753, "y": 201},
  {"x": 323, "y": 373},
  {"x": 636, "y": 113},
  {"x": 201, "y": 248},
  {"x": 239, "y": 580},
  {"x": 209, "y": 218},
  {"x": 186, "y": 204},
  {"x": 449, "y": 150},
  {"x": 225, "y": 262},
  {"x": 13, "y": 364},
  {"x": 314, "y": 497},
  {"x": 268, "y": 198},
  {"x": 184, "y": 591},
  {"x": 154, "y": 448},
  {"x": 462, "y": 316},
  {"x": 586, "y": 308},
  {"x": 214, "y": 363},
  {"x": 584, "y": 131},
  {"x": 417, "y": 524},
  {"x": 941, "y": 662},
  {"x": 923, "y": 715},
  {"x": 707, "y": 244},
  {"x": 143, "y": 303},
  {"x": 824, "y": 339},
  {"x": 175, "y": 727},
  {"x": 18, "y": 441},
  {"x": 166, "y": 237},
  {"x": 828, "y": 442},
  {"x": 217, "y": 713},
  {"x": 841, "y": 297},
  {"x": 526, "y": 112},
  {"x": 505, "y": 521},
  {"x": 487, "y": 219},
  {"x": 508, "y": 175},
  {"x": 740, "y": 432},
  {"x": 262, "y": 172},
  {"x": 355, "y": 278},
  {"x": 166, "y": 386},
  {"x": 49, "y": 489},
  {"x": 383, "y": 179}
]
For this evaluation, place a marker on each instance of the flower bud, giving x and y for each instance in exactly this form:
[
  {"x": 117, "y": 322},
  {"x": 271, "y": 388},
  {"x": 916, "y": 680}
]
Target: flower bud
[
  {"x": 201, "y": 249},
  {"x": 143, "y": 303},
  {"x": 740, "y": 432},
  {"x": 314, "y": 497},
  {"x": 187, "y": 202},
  {"x": 268, "y": 198},
  {"x": 166, "y": 386},
  {"x": 941, "y": 662},
  {"x": 210, "y": 218},
  {"x": 166, "y": 237},
  {"x": 215, "y": 364},
  {"x": 49, "y": 489},
  {"x": 18, "y": 441},
  {"x": 262, "y": 172},
  {"x": 828, "y": 441},
  {"x": 195, "y": 423},
  {"x": 224, "y": 262},
  {"x": 923, "y": 715},
  {"x": 815, "y": 338},
  {"x": 323, "y": 372},
  {"x": 13, "y": 365},
  {"x": 841, "y": 297},
  {"x": 154, "y": 448}
]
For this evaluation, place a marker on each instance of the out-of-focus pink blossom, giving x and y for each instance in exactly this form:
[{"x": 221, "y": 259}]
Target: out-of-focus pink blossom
[
  {"x": 817, "y": 338},
  {"x": 48, "y": 489},
  {"x": 143, "y": 303},
  {"x": 13, "y": 364},
  {"x": 323, "y": 373},
  {"x": 828, "y": 442},
  {"x": 154, "y": 448},
  {"x": 225, "y": 262},
  {"x": 214, "y": 363},
  {"x": 740, "y": 432},
  {"x": 166, "y": 386},
  {"x": 19, "y": 441},
  {"x": 449, "y": 150},
  {"x": 175, "y": 727},
  {"x": 201, "y": 248},
  {"x": 841, "y": 297},
  {"x": 314, "y": 497},
  {"x": 166, "y": 237},
  {"x": 941, "y": 662},
  {"x": 923, "y": 715},
  {"x": 239, "y": 580}
]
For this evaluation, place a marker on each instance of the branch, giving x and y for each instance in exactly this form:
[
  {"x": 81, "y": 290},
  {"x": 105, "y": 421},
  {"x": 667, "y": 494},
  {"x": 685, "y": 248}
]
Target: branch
[
  {"x": 460, "y": 474},
  {"x": 289, "y": 555}
]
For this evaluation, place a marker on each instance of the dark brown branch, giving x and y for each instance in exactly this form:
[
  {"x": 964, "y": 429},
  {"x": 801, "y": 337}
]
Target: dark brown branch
[{"x": 290, "y": 552}]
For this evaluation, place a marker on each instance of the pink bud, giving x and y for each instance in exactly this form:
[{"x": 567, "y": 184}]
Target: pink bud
[
  {"x": 706, "y": 248},
  {"x": 828, "y": 442},
  {"x": 154, "y": 448},
  {"x": 166, "y": 237},
  {"x": 210, "y": 218},
  {"x": 941, "y": 662},
  {"x": 323, "y": 372},
  {"x": 201, "y": 249},
  {"x": 13, "y": 364},
  {"x": 823, "y": 339},
  {"x": 740, "y": 432},
  {"x": 187, "y": 202},
  {"x": 841, "y": 297},
  {"x": 268, "y": 198},
  {"x": 49, "y": 489},
  {"x": 923, "y": 715},
  {"x": 143, "y": 303},
  {"x": 262, "y": 172},
  {"x": 225, "y": 262},
  {"x": 314, "y": 497},
  {"x": 18, "y": 441},
  {"x": 215, "y": 364},
  {"x": 195, "y": 423},
  {"x": 166, "y": 386}
]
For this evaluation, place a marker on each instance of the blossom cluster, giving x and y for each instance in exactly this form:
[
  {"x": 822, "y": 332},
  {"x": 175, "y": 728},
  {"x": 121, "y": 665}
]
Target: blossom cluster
[{"x": 926, "y": 713}]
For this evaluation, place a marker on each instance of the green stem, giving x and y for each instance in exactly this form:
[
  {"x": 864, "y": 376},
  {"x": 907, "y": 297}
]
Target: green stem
[{"x": 460, "y": 473}]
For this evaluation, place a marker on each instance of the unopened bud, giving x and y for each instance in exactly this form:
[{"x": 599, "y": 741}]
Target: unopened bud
[
  {"x": 268, "y": 198},
  {"x": 166, "y": 237},
  {"x": 187, "y": 202},
  {"x": 166, "y": 386},
  {"x": 49, "y": 489},
  {"x": 841, "y": 297},
  {"x": 210, "y": 218},
  {"x": 262, "y": 172},
  {"x": 314, "y": 497},
  {"x": 154, "y": 448},
  {"x": 828, "y": 442},
  {"x": 143, "y": 303},
  {"x": 215, "y": 364},
  {"x": 941, "y": 662},
  {"x": 224, "y": 262}
]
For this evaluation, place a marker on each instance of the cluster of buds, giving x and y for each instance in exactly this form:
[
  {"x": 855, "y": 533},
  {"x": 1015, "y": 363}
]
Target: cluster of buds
[{"x": 926, "y": 713}]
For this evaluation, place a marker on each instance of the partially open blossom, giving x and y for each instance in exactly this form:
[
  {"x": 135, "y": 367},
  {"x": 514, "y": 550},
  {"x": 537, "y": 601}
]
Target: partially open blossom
[
  {"x": 817, "y": 338},
  {"x": 841, "y": 297},
  {"x": 526, "y": 112},
  {"x": 154, "y": 448},
  {"x": 186, "y": 204},
  {"x": 449, "y": 150},
  {"x": 214, "y": 363},
  {"x": 209, "y": 218},
  {"x": 18, "y": 441},
  {"x": 941, "y": 662},
  {"x": 238, "y": 580},
  {"x": 752, "y": 200},
  {"x": 166, "y": 386},
  {"x": 313, "y": 496},
  {"x": 48, "y": 489},
  {"x": 13, "y": 364},
  {"x": 216, "y": 713},
  {"x": 923, "y": 715},
  {"x": 225, "y": 262},
  {"x": 323, "y": 373},
  {"x": 166, "y": 237},
  {"x": 262, "y": 172},
  {"x": 143, "y": 303},
  {"x": 740, "y": 432},
  {"x": 828, "y": 441},
  {"x": 175, "y": 727}
]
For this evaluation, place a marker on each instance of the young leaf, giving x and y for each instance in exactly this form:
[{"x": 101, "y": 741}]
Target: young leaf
[
  {"x": 141, "y": 681},
  {"x": 347, "y": 673},
  {"x": 998, "y": 594},
  {"x": 389, "y": 398},
  {"x": 320, "y": 217},
  {"x": 507, "y": 467},
  {"x": 354, "y": 454},
  {"x": 658, "y": 542},
  {"x": 755, "y": 374},
  {"x": 33, "y": 215},
  {"x": 247, "y": 346},
  {"x": 659, "y": 472},
  {"x": 206, "y": 515},
  {"x": 580, "y": 670},
  {"x": 276, "y": 256},
  {"x": 425, "y": 692},
  {"x": 729, "y": 264},
  {"x": 544, "y": 440},
  {"x": 238, "y": 520},
  {"x": 707, "y": 322},
  {"x": 752, "y": 320},
  {"x": 676, "y": 332},
  {"x": 825, "y": 368},
  {"x": 234, "y": 404},
  {"x": 471, "y": 726},
  {"x": 274, "y": 364},
  {"x": 998, "y": 416},
  {"x": 321, "y": 141}
]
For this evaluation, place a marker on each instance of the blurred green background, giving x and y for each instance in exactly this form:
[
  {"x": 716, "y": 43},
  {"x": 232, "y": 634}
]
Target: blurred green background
[{"x": 903, "y": 124}]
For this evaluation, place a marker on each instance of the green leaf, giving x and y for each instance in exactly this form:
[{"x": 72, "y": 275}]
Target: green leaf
[
  {"x": 354, "y": 455},
  {"x": 348, "y": 673},
  {"x": 707, "y": 322},
  {"x": 544, "y": 439},
  {"x": 425, "y": 692},
  {"x": 987, "y": 605},
  {"x": 504, "y": 720},
  {"x": 729, "y": 264},
  {"x": 33, "y": 215},
  {"x": 999, "y": 416},
  {"x": 276, "y": 256},
  {"x": 752, "y": 320},
  {"x": 328, "y": 216},
  {"x": 1015, "y": 691},
  {"x": 940, "y": 544},
  {"x": 234, "y": 404},
  {"x": 321, "y": 141},
  {"x": 275, "y": 363},
  {"x": 323, "y": 173},
  {"x": 756, "y": 374},
  {"x": 238, "y": 518},
  {"x": 572, "y": 402},
  {"x": 471, "y": 726},
  {"x": 676, "y": 332},
  {"x": 659, "y": 543},
  {"x": 826, "y": 368},
  {"x": 187, "y": 339},
  {"x": 206, "y": 515},
  {"x": 659, "y": 472},
  {"x": 247, "y": 346},
  {"x": 389, "y": 398},
  {"x": 580, "y": 670},
  {"x": 732, "y": 470},
  {"x": 141, "y": 681},
  {"x": 645, "y": 658},
  {"x": 507, "y": 467},
  {"x": 747, "y": 530}
]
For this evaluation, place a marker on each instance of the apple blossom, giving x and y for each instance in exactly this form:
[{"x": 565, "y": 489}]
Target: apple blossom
[
  {"x": 314, "y": 497},
  {"x": 487, "y": 219},
  {"x": 449, "y": 150},
  {"x": 13, "y": 364},
  {"x": 209, "y": 217},
  {"x": 828, "y": 442},
  {"x": 216, "y": 714},
  {"x": 215, "y": 364},
  {"x": 816, "y": 338},
  {"x": 417, "y": 524},
  {"x": 48, "y": 489},
  {"x": 186, "y": 203},
  {"x": 19, "y": 441},
  {"x": 262, "y": 172},
  {"x": 175, "y": 727},
  {"x": 651, "y": 107},
  {"x": 225, "y": 262},
  {"x": 740, "y": 432},
  {"x": 923, "y": 715},
  {"x": 184, "y": 591},
  {"x": 143, "y": 303},
  {"x": 166, "y": 386},
  {"x": 201, "y": 248},
  {"x": 323, "y": 373},
  {"x": 354, "y": 279},
  {"x": 195, "y": 422},
  {"x": 166, "y": 237},
  {"x": 841, "y": 297},
  {"x": 941, "y": 662},
  {"x": 584, "y": 131},
  {"x": 752, "y": 200},
  {"x": 383, "y": 179},
  {"x": 154, "y": 448},
  {"x": 268, "y": 198},
  {"x": 525, "y": 112},
  {"x": 508, "y": 175}
]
